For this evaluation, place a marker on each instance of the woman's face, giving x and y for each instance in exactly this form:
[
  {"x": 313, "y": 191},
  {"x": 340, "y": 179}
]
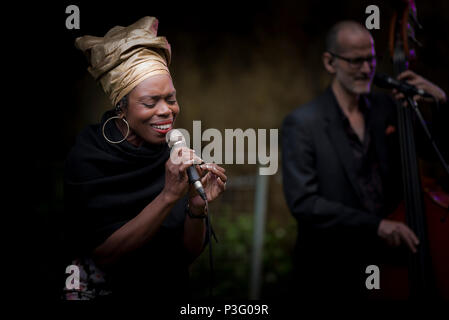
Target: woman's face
[{"x": 152, "y": 109}]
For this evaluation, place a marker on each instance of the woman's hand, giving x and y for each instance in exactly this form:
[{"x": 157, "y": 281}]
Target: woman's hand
[
  {"x": 214, "y": 183},
  {"x": 176, "y": 180}
]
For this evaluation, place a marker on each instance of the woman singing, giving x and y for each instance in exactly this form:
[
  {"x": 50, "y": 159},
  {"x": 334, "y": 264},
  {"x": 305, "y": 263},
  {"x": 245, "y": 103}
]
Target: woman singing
[{"x": 133, "y": 222}]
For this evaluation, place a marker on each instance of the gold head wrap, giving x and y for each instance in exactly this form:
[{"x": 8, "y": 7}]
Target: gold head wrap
[{"x": 126, "y": 56}]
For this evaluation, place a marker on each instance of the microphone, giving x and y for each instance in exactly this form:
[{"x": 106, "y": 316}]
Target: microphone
[
  {"x": 385, "y": 81},
  {"x": 175, "y": 139}
]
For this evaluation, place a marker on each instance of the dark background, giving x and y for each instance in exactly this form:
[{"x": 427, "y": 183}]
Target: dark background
[{"x": 235, "y": 64}]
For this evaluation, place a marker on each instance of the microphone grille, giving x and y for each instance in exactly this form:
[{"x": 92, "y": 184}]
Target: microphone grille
[{"x": 174, "y": 136}]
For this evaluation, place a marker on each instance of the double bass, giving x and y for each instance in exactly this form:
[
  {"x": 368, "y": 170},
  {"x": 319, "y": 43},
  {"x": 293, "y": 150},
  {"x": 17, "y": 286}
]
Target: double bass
[{"x": 425, "y": 205}]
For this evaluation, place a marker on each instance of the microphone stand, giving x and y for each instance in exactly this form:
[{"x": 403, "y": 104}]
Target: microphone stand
[{"x": 414, "y": 106}]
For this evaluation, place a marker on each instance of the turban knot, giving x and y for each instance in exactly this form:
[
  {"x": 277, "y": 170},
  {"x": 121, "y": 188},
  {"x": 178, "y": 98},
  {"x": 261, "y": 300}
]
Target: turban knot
[{"x": 126, "y": 56}]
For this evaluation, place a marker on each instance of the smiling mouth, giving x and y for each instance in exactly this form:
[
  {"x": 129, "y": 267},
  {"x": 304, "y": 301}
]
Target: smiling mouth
[{"x": 162, "y": 127}]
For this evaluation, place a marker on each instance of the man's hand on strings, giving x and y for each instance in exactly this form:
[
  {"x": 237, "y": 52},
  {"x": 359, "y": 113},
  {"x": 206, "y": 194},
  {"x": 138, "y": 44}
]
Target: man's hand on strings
[{"x": 421, "y": 83}]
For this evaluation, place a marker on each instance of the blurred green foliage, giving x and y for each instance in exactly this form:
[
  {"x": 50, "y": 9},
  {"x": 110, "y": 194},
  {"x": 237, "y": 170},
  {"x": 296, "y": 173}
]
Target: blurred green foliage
[{"x": 232, "y": 257}]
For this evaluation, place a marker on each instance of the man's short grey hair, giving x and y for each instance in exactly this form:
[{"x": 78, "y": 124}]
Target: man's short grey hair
[{"x": 332, "y": 44}]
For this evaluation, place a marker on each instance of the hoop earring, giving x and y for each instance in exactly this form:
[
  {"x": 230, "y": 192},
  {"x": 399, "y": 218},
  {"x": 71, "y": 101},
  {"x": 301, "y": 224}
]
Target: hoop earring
[{"x": 127, "y": 133}]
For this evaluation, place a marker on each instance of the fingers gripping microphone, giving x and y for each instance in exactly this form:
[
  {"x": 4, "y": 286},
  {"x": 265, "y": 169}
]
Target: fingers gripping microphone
[
  {"x": 175, "y": 140},
  {"x": 385, "y": 81}
]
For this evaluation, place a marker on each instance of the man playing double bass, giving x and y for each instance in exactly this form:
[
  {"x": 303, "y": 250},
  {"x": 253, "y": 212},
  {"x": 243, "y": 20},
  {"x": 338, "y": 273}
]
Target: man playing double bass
[{"x": 341, "y": 171}]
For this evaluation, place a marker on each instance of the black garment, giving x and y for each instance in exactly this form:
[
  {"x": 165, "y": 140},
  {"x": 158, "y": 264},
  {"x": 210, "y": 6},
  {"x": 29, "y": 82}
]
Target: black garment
[
  {"x": 107, "y": 185},
  {"x": 337, "y": 233},
  {"x": 367, "y": 167}
]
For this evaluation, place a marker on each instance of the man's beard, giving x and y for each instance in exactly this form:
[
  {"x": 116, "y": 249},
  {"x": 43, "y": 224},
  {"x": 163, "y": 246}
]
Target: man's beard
[{"x": 357, "y": 87}]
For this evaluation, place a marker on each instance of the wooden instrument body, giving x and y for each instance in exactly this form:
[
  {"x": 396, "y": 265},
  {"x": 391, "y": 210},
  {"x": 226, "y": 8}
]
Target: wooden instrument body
[{"x": 424, "y": 274}]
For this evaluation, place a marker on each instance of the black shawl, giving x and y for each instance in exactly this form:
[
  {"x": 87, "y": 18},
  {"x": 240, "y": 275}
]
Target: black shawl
[{"x": 106, "y": 185}]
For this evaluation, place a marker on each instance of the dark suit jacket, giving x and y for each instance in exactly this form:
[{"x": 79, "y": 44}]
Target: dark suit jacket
[{"x": 319, "y": 178}]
